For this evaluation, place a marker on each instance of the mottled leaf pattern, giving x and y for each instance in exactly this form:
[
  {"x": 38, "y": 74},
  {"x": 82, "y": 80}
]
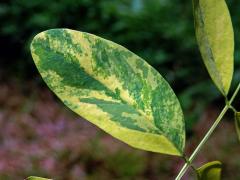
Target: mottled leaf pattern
[
  {"x": 36, "y": 178},
  {"x": 210, "y": 171},
  {"x": 112, "y": 88},
  {"x": 237, "y": 123},
  {"x": 214, "y": 34}
]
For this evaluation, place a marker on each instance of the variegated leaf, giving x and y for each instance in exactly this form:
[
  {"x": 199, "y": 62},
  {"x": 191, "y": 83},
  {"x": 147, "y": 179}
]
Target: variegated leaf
[
  {"x": 111, "y": 87},
  {"x": 36, "y": 178},
  {"x": 210, "y": 171},
  {"x": 237, "y": 123},
  {"x": 215, "y": 38}
]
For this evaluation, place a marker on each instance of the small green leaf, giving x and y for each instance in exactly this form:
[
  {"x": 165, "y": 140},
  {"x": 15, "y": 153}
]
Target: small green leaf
[
  {"x": 237, "y": 123},
  {"x": 210, "y": 171},
  {"x": 111, "y": 87},
  {"x": 36, "y": 178},
  {"x": 215, "y": 38}
]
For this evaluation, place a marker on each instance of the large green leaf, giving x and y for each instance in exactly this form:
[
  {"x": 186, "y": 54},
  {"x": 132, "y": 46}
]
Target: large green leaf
[
  {"x": 237, "y": 123},
  {"x": 214, "y": 34},
  {"x": 36, "y": 178},
  {"x": 210, "y": 171},
  {"x": 112, "y": 88}
]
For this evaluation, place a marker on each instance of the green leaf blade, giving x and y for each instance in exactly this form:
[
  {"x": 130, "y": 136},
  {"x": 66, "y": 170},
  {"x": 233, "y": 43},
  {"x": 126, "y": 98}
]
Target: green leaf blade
[
  {"x": 215, "y": 38},
  {"x": 36, "y": 178},
  {"x": 210, "y": 171},
  {"x": 111, "y": 87}
]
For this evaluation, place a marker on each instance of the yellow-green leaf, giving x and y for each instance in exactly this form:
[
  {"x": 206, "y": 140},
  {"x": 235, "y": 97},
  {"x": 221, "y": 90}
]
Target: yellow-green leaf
[
  {"x": 215, "y": 38},
  {"x": 237, "y": 123},
  {"x": 111, "y": 87},
  {"x": 210, "y": 171},
  {"x": 36, "y": 178}
]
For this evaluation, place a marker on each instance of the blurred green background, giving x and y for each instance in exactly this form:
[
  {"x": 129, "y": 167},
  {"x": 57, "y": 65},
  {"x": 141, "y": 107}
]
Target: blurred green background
[{"x": 39, "y": 136}]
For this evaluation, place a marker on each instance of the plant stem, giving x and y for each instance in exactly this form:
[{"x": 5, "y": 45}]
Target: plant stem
[
  {"x": 185, "y": 158},
  {"x": 206, "y": 137},
  {"x": 210, "y": 131}
]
